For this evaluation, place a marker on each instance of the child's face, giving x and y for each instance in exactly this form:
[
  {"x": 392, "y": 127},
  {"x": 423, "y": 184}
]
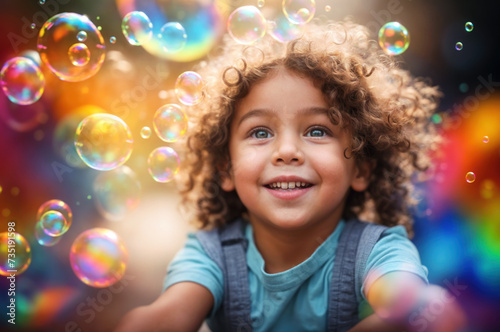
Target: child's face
[{"x": 281, "y": 136}]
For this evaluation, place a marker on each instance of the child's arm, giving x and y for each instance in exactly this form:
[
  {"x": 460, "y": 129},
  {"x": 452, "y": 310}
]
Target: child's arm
[{"x": 182, "y": 307}]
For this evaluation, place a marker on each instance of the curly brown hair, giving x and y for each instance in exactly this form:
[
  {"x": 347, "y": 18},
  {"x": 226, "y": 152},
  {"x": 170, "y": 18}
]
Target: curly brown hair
[{"x": 386, "y": 109}]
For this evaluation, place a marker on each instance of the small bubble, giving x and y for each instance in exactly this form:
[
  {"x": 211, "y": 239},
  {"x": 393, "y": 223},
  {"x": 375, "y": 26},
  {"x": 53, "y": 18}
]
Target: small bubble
[
  {"x": 328, "y": 8},
  {"x": 393, "y": 38},
  {"x": 33, "y": 26},
  {"x": 98, "y": 18},
  {"x": 81, "y": 36},
  {"x": 261, "y": 3},
  {"x": 99, "y": 28},
  {"x": 469, "y": 26},
  {"x": 41, "y": 2},
  {"x": 137, "y": 28},
  {"x": 145, "y": 132},
  {"x": 486, "y": 139},
  {"x": 79, "y": 54},
  {"x": 89, "y": 196},
  {"x": 112, "y": 40},
  {"x": 459, "y": 46},
  {"x": 246, "y": 25},
  {"x": 470, "y": 177}
]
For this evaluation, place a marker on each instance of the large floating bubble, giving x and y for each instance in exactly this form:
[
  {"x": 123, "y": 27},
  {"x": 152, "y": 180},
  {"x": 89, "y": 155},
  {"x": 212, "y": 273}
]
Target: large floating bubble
[
  {"x": 56, "y": 205},
  {"x": 117, "y": 192},
  {"x": 299, "y": 11},
  {"x": 173, "y": 37},
  {"x": 170, "y": 122},
  {"x": 43, "y": 238},
  {"x": 246, "y": 25},
  {"x": 55, "y": 41},
  {"x": 14, "y": 262},
  {"x": 393, "y": 38},
  {"x": 163, "y": 164},
  {"x": 103, "y": 141},
  {"x": 282, "y": 30},
  {"x": 98, "y": 257},
  {"x": 54, "y": 223},
  {"x": 201, "y": 19},
  {"x": 188, "y": 88},
  {"x": 22, "y": 80},
  {"x": 137, "y": 28}
]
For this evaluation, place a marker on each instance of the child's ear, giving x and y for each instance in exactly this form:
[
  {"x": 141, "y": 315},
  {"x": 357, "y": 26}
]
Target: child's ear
[
  {"x": 362, "y": 175},
  {"x": 226, "y": 178}
]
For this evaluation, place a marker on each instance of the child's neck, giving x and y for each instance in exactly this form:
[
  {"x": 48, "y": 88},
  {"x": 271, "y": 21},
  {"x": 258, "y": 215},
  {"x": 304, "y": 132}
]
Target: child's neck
[{"x": 283, "y": 250}]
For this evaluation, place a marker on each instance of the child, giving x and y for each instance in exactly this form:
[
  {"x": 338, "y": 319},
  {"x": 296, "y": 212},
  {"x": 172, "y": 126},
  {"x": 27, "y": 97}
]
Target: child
[{"x": 292, "y": 144}]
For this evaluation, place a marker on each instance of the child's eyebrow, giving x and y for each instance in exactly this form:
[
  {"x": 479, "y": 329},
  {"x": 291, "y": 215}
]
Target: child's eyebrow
[{"x": 267, "y": 112}]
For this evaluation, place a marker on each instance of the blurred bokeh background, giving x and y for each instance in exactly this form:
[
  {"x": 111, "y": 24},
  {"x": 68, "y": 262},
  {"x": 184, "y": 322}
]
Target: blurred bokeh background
[{"x": 457, "y": 223}]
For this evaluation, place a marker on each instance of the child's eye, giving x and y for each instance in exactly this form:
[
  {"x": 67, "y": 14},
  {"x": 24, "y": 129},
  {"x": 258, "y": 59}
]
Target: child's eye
[
  {"x": 260, "y": 133},
  {"x": 317, "y": 132}
]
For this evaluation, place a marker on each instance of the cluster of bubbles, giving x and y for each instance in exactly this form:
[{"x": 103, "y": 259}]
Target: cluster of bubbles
[
  {"x": 469, "y": 26},
  {"x": 71, "y": 46},
  {"x": 53, "y": 219},
  {"x": 20, "y": 260},
  {"x": 470, "y": 177},
  {"x": 98, "y": 257},
  {"x": 393, "y": 38}
]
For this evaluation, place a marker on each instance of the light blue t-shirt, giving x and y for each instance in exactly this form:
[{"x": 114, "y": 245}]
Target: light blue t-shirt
[{"x": 295, "y": 299}]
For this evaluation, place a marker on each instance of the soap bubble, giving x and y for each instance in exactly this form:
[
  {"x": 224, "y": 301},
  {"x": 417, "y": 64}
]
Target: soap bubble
[
  {"x": 22, "y": 81},
  {"x": 117, "y": 192},
  {"x": 145, "y": 132},
  {"x": 469, "y": 26},
  {"x": 328, "y": 8},
  {"x": 16, "y": 262},
  {"x": 56, "y": 205},
  {"x": 173, "y": 37},
  {"x": 163, "y": 164},
  {"x": 246, "y": 25},
  {"x": 81, "y": 36},
  {"x": 170, "y": 122},
  {"x": 98, "y": 257},
  {"x": 79, "y": 54},
  {"x": 282, "y": 30},
  {"x": 202, "y": 20},
  {"x": 261, "y": 3},
  {"x": 103, "y": 141},
  {"x": 393, "y": 38},
  {"x": 459, "y": 46},
  {"x": 137, "y": 28},
  {"x": 43, "y": 238},
  {"x": 470, "y": 177},
  {"x": 486, "y": 139},
  {"x": 54, "y": 223},
  {"x": 188, "y": 88},
  {"x": 58, "y": 35},
  {"x": 299, "y": 11},
  {"x": 112, "y": 40}
]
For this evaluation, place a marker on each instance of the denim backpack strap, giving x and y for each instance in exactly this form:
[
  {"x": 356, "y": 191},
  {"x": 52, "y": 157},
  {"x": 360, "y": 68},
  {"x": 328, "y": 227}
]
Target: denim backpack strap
[
  {"x": 227, "y": 247},
  {"x": 355, "y": 244}
]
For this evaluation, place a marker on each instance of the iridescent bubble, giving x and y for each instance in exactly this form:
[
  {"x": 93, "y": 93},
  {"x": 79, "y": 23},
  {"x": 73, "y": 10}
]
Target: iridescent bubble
[
  {"x": 79, "y": 54},
  {"x": 469, "y": 26},
  {"x": 246, "y": 25},
  {"x": 22, "y": 81},
  {"x": 117, "y": 192},
  {"x": 188, "y": 88},
  {"x": 41, "y": 2},
  {"x": 145, "y": 132},
  {"x": 170, "y": 122},
  {"x": 470, "y": 177},
  {"x": 459, "y": 46},
  {"x": 16, "y": 261},
  {"x": 137, "y": 28},
  {"x": 43, "y": 238},
  {"x": 112, "y": 40},
  {"x": 98, "y": 257},
  {"x": 33, "y": 26},
  {"x": 282, "y": 30},
  {"x": 393, "y": 38},
  {"x": 103, "y": 141},
  {"x": 328, "y": 8},
  {"x": 62, "y": 209},
  {"x": 260, "y": 3},
  {"x": 486, "y": 139},
  {"x": 299, "y": 11},
  {"x": 163, "y": 164},
  {"x": 203, "y": 21},
  {"x": 58, "y": 35},
  {"x": 81, "y": 36},
  {"x": 173, "y": 37},
  {"x": 54, "y": 223}
]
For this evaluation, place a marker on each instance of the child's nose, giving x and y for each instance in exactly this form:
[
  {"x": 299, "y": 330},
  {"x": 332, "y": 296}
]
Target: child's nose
[{"x": 287, "y": 151}]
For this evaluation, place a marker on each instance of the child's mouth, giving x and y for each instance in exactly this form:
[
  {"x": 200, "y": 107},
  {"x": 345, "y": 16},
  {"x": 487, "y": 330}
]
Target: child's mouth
[{"x": 288, "y": 185}]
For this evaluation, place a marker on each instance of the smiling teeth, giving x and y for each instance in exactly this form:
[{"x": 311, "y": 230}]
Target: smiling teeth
[{"x": 287, "y": 185}]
